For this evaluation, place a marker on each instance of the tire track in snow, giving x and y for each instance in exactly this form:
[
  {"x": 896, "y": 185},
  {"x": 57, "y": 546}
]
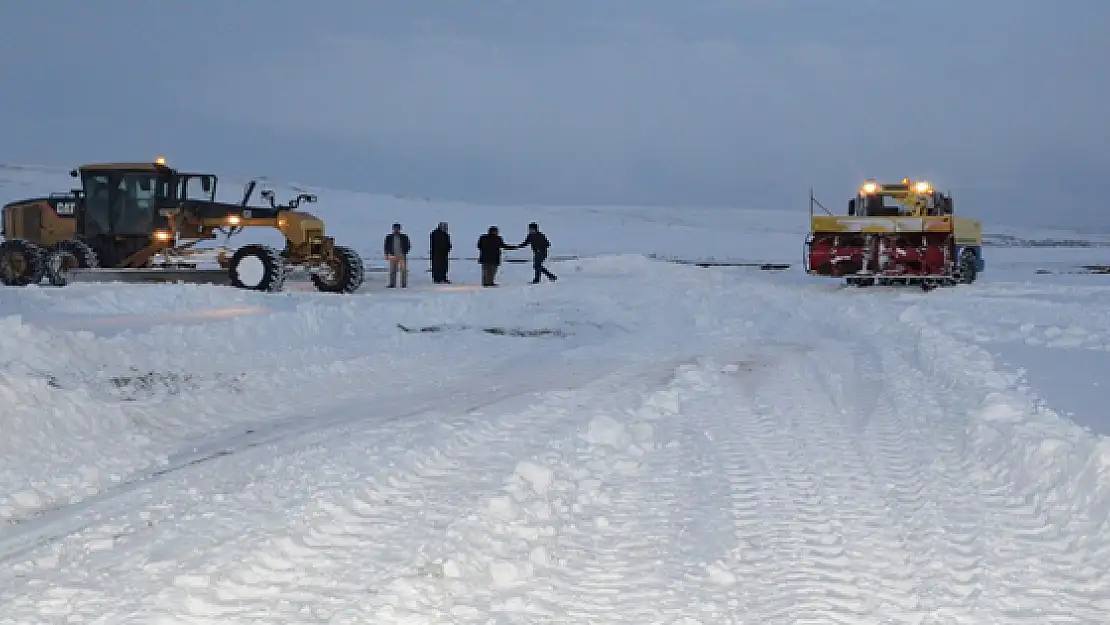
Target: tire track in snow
[
  {"x": 626, "y": 547},
  {"x": 872, "y": 555},
  {"x": 850, "y": 533},
  {"x": 306, "y": 567},
  {"x": 342, "y": 551},
  {"x": 871, "y": 512},
  {"x": 602, "y": 527},
  {"x": 374, "y": 552},
  {"x": 745, "y": 577},
  {"x": 1052, "y": 550},
  {"x": 915, "y": 450},
  {"x": 1008, "y": 539},
  {"x": 836, "y": 554},
  {"x": 569, "y": 535},
  {"x": 1036, "y": 547},
  {"x": 1051, "y": 555},
  {"x": 575, "y": 532}
]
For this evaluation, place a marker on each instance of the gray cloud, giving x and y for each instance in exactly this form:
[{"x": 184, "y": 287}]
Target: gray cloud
[{"x": 608, "y": 101}]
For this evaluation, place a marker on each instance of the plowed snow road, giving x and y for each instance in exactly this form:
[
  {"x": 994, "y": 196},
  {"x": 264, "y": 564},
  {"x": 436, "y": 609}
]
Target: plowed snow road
[{"x": 849, "y": 474}]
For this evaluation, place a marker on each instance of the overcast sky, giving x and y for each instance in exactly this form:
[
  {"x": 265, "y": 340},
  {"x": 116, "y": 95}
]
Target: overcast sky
[{"x": 696, "y": 102}]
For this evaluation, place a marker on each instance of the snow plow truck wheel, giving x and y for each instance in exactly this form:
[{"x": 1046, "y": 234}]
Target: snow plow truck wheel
[
  {"x": 257, "y": 268},
  {"x": 68, "y": 255},
  {"x": 346, "y": 276},
  {"x": 968, "y": 269},
  {"x": 21, "y": 263}
]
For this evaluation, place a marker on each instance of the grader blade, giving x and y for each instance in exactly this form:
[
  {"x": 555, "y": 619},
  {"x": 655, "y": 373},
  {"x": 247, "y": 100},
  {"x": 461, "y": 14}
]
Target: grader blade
[{"x": 218, "y": 277}]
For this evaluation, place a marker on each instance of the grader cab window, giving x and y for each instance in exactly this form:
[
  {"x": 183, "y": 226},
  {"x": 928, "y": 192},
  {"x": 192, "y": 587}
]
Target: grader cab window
[
  {"x": 98, "y": 205},
  {"x": 122, "y": 203},
  {"x": 196, "y": 187}
]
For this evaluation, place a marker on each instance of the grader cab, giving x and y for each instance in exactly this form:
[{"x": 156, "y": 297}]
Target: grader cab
[
  {"x": 899, "y": 233},
  {"x": 143, "y": 222}
]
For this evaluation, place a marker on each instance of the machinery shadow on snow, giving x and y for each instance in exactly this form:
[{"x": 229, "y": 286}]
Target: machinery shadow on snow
[
  {"x": 136, "y": 386},
  {"x": 494, "y": 330},
  {"x": 1081, "y": 269}
]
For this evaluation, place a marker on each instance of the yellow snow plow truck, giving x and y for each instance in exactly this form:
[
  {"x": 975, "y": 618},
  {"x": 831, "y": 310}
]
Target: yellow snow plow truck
[{"x": 895, "y": 234}]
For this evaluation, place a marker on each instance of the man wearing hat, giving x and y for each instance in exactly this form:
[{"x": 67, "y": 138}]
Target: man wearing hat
[{"x": 396, "y": 250}]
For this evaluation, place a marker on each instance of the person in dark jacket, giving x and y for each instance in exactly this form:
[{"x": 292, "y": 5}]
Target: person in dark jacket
[
  {"x": 439, "y": 248},
  {"x": 396, "y": 251},
  {"x": 540, "y": 245},
  {"x": 490, "y": 245}
]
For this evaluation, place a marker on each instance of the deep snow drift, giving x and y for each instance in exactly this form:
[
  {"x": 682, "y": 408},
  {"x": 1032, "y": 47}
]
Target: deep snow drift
[{"x": 640, "y": 442}]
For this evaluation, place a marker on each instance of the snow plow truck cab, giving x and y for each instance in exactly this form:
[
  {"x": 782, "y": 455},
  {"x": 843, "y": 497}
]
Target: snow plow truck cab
[{"x": 900, "y": 233}]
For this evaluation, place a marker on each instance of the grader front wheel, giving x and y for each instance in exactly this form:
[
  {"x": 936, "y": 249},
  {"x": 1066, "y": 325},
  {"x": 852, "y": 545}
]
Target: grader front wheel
[
  {"x": 257, "y": 268},
  {"x": 345, "y": 273}
]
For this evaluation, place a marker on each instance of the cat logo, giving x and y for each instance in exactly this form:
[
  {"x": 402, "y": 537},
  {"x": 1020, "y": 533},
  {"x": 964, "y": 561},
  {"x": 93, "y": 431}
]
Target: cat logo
[{"x": 65, "y": 207}]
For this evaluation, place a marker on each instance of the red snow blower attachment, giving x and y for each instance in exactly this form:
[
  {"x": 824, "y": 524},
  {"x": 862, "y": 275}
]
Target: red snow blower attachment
[{"x": 901, "y": 233}]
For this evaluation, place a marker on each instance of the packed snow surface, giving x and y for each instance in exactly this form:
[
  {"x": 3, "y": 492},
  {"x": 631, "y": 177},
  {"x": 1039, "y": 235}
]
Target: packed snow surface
[{"x": 639, "y": 442}]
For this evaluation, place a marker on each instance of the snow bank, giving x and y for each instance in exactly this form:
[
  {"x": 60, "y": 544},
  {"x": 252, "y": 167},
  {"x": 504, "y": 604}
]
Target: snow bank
[
  {"x": 83, "y": 411},
  {"x": 1053, "y": 316},
  {"x": 1044, "y": 455}
]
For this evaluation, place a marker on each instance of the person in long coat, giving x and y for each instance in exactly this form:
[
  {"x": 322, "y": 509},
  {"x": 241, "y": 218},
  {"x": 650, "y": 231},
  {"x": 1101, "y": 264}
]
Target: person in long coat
[{"x": 439, "y": 249}]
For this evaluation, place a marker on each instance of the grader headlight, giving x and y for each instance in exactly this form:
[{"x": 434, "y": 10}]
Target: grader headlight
[
  {"x": 869, "y": 187},
  {"x": 162, "y": 235},
  {"x": 921, "y": 187},
  {"x": 234, "y": 220}
]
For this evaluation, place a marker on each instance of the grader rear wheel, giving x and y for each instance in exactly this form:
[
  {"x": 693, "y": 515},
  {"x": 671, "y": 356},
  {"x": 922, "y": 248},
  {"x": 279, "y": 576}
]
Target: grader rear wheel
[
  {"x": 21, "y": 263},
  {"x": 68, "y": 255}
]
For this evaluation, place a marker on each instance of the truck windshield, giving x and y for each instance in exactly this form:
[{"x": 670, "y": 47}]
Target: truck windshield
[{"x": 884, "y": 205}]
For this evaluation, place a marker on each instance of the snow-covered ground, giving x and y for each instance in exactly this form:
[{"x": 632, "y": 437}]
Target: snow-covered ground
[{"x": 639, "y": 442}]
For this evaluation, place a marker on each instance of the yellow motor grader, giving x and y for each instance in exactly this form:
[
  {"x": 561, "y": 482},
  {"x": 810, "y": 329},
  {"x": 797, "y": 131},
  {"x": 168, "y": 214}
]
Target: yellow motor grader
[{"x": 142, "y": 222}]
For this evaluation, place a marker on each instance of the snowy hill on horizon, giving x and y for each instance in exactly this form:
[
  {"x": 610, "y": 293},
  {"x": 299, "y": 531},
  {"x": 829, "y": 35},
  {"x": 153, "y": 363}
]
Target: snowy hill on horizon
[
  {"x": 638, "y": 442},
  {"x": 780, "y": 230}
]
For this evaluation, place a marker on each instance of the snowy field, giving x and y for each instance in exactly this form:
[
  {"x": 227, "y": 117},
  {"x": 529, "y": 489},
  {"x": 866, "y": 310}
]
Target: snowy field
[{"x": 639, "y": 442}]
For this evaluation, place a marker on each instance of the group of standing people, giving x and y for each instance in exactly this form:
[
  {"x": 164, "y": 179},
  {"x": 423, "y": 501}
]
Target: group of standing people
[{"x": 397, "y": 248}]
